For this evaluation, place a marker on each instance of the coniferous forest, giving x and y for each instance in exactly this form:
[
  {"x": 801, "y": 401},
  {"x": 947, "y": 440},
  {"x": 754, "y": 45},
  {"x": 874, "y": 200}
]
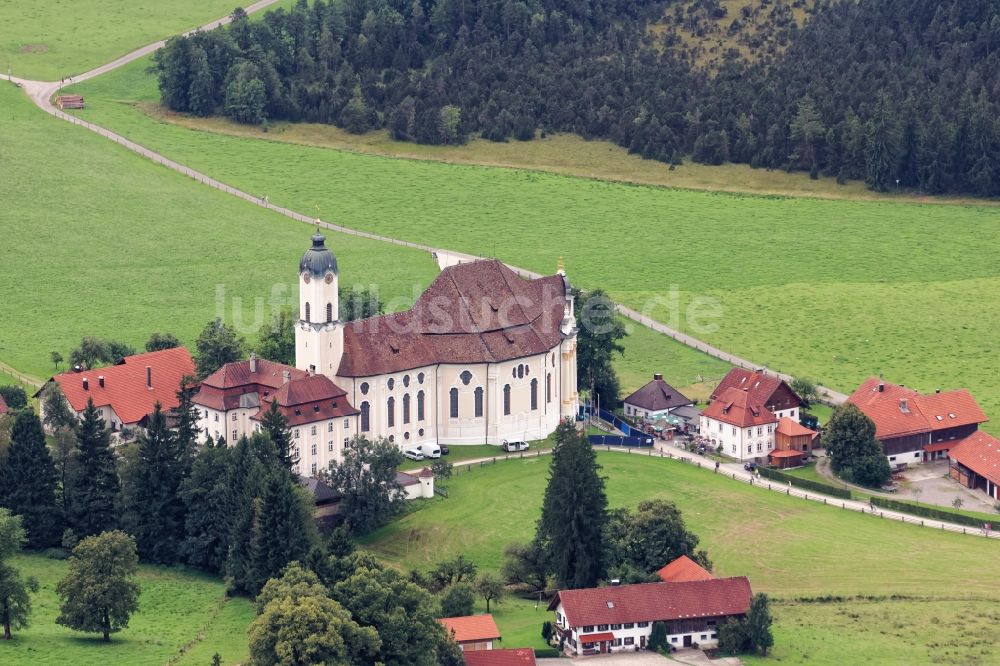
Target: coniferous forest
[{"x": 898, "y": 93}]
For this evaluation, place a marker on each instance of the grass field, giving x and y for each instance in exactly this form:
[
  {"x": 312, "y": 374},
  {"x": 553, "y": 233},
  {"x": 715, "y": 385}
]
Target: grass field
[
  {"x": 836, "y": 290},
  {"x": 789, "y": 548},
  {"x": 108, "y": 244},
  {"x": 176, "y": 609},
  {"x": 55, "y": 38}
]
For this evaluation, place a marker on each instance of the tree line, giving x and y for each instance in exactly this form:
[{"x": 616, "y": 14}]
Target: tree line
[{"x": 896, "y": 93}]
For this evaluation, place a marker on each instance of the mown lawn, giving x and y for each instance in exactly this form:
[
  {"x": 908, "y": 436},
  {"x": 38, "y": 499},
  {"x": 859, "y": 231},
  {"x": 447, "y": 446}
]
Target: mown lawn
[
  {"x": 98, "y": 241},
  {"x": 176, "y": 609},
  {"x": 835, "y": 290},
  {"x": 55, "y": 38},
  {"x": 788, "y": 548}
]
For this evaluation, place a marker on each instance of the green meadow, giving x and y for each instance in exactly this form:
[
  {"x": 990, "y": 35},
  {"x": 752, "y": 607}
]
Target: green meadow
[
  {"x": 836, "y": 290},
  {"x": 788, "y": 547},
  {"x": 183, "y": 618},
  {"x": 55, "y": 38}
]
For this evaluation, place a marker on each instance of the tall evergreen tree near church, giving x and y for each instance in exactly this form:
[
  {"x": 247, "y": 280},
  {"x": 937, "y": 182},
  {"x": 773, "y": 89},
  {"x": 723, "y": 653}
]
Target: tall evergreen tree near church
[
  {"x": 92, "y": 487},
  {"x": 206, "y": 519},
  {"x": 152, "y": 507},
  {"x": 282, "y": 531},
  {"x": 274, "y": 424},
  {"x": 574, "y": 511},
  {"x": 28, "y": 482}
]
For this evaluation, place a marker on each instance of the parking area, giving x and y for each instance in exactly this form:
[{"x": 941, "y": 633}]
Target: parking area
[{"x": 933, "y": 486}]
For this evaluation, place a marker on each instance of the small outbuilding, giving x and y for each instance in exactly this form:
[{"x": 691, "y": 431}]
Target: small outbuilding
[
  {"x": 417, "y": 486},
  {"x": 975, "y": 463},
  {"x": 472, "y": 632},
  {"x": 792, "y": 444},
  {"x": 654, "y": 400},
  {"x": 683, "y": 570}
]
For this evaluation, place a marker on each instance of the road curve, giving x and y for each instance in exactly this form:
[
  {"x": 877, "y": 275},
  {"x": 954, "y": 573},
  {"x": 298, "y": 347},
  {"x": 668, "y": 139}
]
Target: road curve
[{"x": 42, "y": 92}]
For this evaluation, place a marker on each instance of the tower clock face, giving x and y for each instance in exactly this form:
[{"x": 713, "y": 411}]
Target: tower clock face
[
  {"x": 307, "y": 278},
  {"x": 329, "y": 278}
]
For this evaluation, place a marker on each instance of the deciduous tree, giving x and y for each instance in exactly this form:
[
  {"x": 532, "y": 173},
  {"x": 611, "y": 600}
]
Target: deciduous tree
[
  {"x": 491, "y": 588},
  {"x": 15, "y": 591},
  {"x": 161, "y": 341},
  {"x": 217, "y": 345},
  {"x": 758, "y": 624},
  {"x": 854, "y": 452},
  {"x": 366, "y": 480},
  {"x": 599, "y": 335},
  {"x": 458, "y": 600}
]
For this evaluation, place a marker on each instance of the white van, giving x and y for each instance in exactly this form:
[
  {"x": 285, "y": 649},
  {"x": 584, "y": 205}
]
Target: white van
[
  {"x": 514, "y": 446},
  {"x": 430, "y": 450}
]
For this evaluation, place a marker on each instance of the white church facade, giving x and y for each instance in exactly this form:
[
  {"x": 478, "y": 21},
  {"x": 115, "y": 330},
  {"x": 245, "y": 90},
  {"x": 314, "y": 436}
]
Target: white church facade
[{"x": 483, "y": 355}]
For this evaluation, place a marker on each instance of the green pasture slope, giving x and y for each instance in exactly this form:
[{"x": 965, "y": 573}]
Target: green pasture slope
[
  {"x": 183, "y": 616},
  {"x": 49, "y": 39},
  {"x": 98, "y": 241},
  {"x": 788, "y": 548},
  {"x": 836, "y": 290}
]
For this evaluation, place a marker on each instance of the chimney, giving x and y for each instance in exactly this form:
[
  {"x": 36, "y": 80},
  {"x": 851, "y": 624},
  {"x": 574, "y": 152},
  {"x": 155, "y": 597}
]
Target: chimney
[
  {"x": 149, "y": 376},
  {"x": 903, "y": 406},
  {"x": 253, "y": 362},
  {"x": 100, "y": 381},
  {"x": 658, "y": 377},
  {"x": 937, "y": 390},
  {"x": 86, "y": 384},
  {"x": 285, "y": 376},
  {"x": 881, "y": 387}
]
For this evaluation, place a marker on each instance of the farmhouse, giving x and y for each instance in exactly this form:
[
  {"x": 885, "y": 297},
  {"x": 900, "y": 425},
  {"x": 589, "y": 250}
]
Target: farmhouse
[
  {"x": 515, "y": 657},
  {"x": 975, "y": 463},
  {"x": 654, "y": 400},
  {"x": 683, "y": 570},
  {"x": 913, "y": 427},
  {"x": 741, "y": 425},
  {"x": 125, "y": 394},
  {"x": 620, "y": 618},
  {"x": 472, "y": 632},
  {"x": 792, "y": 443},
  {"x": 764, "y": 389}
]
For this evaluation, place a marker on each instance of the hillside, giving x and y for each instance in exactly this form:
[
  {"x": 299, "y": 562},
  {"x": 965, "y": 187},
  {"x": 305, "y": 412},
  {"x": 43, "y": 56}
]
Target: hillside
[{"x": 896, "y": 93}]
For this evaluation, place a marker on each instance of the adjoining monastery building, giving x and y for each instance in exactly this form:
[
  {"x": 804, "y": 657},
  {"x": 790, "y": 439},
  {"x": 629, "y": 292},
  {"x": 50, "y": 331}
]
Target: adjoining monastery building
[{"x": 482, "y": 356}]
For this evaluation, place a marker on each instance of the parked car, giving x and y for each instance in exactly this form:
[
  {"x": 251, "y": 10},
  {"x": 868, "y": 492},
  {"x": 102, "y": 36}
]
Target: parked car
[
  {"x": 414, "y": 454},
  {"x": 890, "y": 488},
  {"x": 430, "y": 450},
  {"x": 750, "y": 466},
  {"x": 445, "y": 450},
  {"x": 514, "y": 446}
]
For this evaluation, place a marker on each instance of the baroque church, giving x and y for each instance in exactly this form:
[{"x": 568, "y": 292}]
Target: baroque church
[{"x": 483, "y": 355}]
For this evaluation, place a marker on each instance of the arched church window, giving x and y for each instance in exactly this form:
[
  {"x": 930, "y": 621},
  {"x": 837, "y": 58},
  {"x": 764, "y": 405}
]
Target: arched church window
[
  {"x": 506, "y": 400},
  {"x": 391, "y": 383},
  {"x": 520, "y": 372},
  {"x": 479, "y": 401},
  {"x": 548, "y": 387},
  {"x": 453, "y": 400},
  {"x": 534, "y": 394},
  {"x": 390, "y": 412},
  {"x": 420, "y": 406},
  {"x": 420, "y": 378},
  {"x": 406, "y": 380},
  {"x": 366, "y": 424},
  {"x": 406, "y": 408},
  {"x": 364, "y": 388},
  {"x": 466, "y": 377},
  {"x": 308, "y": 313}
]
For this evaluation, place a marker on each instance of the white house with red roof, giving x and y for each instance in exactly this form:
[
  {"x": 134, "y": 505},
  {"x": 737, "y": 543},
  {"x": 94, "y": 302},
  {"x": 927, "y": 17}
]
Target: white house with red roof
[
  {"x": 914, "y": 427},
  {"x": 125, "y": 394},
  {"x": 620, "y": 618},
  {"x": 482, "y": 356},
  {"x": 740, "y": 424},
  {"x": 764, "y": 389},
  {"x": 472, "y": 632}
]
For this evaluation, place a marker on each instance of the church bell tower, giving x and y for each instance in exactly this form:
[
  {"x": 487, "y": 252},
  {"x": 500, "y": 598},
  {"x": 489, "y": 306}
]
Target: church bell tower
[{"x": 319, "y": 335}]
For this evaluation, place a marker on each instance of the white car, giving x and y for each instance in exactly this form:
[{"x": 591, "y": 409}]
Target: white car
[
  {"x": 514, "y": 446},
  {"x": 413, "y": 454}
]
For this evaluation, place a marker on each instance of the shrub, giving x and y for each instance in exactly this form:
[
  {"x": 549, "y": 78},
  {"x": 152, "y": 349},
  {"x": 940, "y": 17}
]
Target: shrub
[
  {"x": 546, "y": 630},
  {"x": 658, "y": 637},
  {"x": 927, "y": 512},
  {"x": 807, "y": 484}
]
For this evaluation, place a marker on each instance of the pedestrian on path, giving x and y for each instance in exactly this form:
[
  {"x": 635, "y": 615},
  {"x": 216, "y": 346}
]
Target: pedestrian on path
[{"x": 716, "y": 466}]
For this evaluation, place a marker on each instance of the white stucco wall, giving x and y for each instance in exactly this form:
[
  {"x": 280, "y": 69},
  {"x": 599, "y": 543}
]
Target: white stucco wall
[{"x": 740, "y": 443}]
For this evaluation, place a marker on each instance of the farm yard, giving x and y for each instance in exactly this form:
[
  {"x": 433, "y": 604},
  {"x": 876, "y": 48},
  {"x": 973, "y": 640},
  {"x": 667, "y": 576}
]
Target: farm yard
[
  {"x": 184, "y": 618},
  {"x": 806, "y": 286},
  {"x": 789, "y": 548}
]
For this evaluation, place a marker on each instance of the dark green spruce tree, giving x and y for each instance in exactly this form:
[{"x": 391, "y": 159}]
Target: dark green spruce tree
[
  {"x": 274, "y": 424},
  {"x": 93, "y": 478},
  {"x": 242, "y": 484},
  {"x": 152, "y": 508},
  {"x": 574, "y": 512},
  {"x": 206, "y": 518},
  {"x": 598, "y": 340},
  {"x": 28, "y": 482}
]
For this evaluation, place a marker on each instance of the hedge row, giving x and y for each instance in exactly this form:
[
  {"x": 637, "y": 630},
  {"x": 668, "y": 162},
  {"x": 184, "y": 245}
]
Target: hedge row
[
  {"x": 547, "y": 653},
  {"x": 927, "y": 512},
  {"x": 807, "y": 484}
]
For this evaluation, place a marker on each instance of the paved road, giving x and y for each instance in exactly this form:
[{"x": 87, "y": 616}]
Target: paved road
[{"x": 42, "y": 92}]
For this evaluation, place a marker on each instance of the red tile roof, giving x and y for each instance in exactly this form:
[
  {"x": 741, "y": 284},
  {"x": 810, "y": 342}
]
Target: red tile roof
[
  {"x": 594, "y": 638},
  {"x": 683, "y": 569},
  {"x": 309, "y": 399},
  {"x": 980, "y": 452},
  {"x": 941, "y": 446},
  {"x": 898, "y": 411},
  {"x": 792, "y": 428},
  {"x": 657, "y": 395},
  {"x": 515, "y": 657},
  {"x": 425, "y": 473},
  {"x": 125, "y": 389},
  {"x": 649, "y": 602},
  {"x": 222, "y": 390},
  {"x": 765, "y": 389},
  {"x": 784, "y": 453},
  {"x": 737, "y": 407},
  {"x": 3, "y": 406},
  {"x": 472, "y": 313},
  {"x": 404, "y": 479},
  {"x": 472, "y": 628}
]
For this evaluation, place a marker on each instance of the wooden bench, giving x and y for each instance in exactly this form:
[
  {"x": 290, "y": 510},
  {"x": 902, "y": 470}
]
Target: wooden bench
[{"x": 70, "y": 101}]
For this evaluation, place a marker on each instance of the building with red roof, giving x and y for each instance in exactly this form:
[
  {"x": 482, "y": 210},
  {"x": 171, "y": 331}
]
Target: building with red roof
[
  {"x": 975, "y": 463},
  {"x": 472, "y": 632},
  {"x": 683, "y": 570},
  {"x": 515, "y": 657},
  {"x": 771, "y": 392},
  {"x": 914, "y": 427},
  {"x": 738, "y": 422},
  {"x": 792, "y": 443},
  {"x": 125, "y": 394},
  {"x": 620, "y": 618}
]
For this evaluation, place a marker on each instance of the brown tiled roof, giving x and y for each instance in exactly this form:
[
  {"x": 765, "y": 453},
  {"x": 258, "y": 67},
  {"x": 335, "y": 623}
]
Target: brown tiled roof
[
  {"x": 222, "y": 389},
  {"x": 784, "y": 453},
  {"x": 125, "y": 389},
  {"x": 980, "y": 452},
  {"x": 477, "y": 312},
  {"x": 515, "y": 657},
  {"x": 471, "y": 628},
  {"x": 792, "y": 428},
  {"x": 309, "y": 399},
  {"x": 922, "y": 413},
  {"x": 404, "y": 479},
  {"x": 425, "y": 473},
  {"x": 658, "y": 395},
  {"x": 683, "y": 569},
  {"x": 761, "y": 386},
  {"x": 649, "y": 602},
  {"x": 737, "y": 407}
]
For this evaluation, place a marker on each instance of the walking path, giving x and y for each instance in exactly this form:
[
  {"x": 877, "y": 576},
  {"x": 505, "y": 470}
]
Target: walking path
[{"x": 41, "y": 93}]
